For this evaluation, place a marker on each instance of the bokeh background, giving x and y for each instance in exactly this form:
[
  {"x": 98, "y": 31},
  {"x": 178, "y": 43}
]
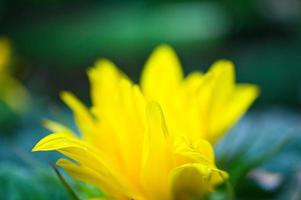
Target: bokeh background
[{"x": 55, "y": 41}]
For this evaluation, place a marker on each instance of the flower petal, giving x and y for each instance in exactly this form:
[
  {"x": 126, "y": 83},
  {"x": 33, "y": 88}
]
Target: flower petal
[
  {"x": 223, "y": 72},
  {"x": 162, "y": 74},
  {"x": 157, "y": 155},
  {"x": 84, "y": 120},
  {"x": 57, "y": 141},
  {"x": 55, "y": 126},
  {"x": 200, "y": 151},
  {"x": 5, "y": 54},
  {"x": 104, "y": 79},
  {"x": 241, "y": 99},
  {"x": 193, "y": 181},
  {"x": 82, "y": 173},
  {"x": 85, "y": 155}
]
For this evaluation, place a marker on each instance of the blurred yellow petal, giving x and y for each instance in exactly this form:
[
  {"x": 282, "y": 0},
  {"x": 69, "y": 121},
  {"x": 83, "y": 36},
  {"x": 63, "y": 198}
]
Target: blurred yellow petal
[
  {"x": 162, "y": 74},
  {"x": 157, "y": 154},
  {"x": 57, "y": 141},
  {"x": 116, "y": 99},
  {"x": 82, "y": 173},
  {"x": 13, "y": 93},
  {"x": 193, "y": 81},
  {"x": 83, "y": 153},
  {"x": 194, "y": 181},
  {"x": 5, "y": 54},
  {"x": 55, "y": 126},
  {"x": 223, "y": 72},
  {"x": 243, "y": 96},
  {"x": 103, "y": 77},
  {"x": 83, "y": 117}
]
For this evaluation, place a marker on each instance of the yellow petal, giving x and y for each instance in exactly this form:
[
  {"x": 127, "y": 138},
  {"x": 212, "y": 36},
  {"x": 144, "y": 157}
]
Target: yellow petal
[
  {"x": 74, "y": 148},
  {"x": 5, "y": 54},
  {"x": 104, "y": 79},
  {"x": 83, "y": 118},
  {"x": 117, "y": 101},
  {"x": 55, "y": 126},
  {"x": 193, "y": 81},
  {"x": 87, "y": 175},
  {"x": 203, "y": 104},
  {"x": 157, "y": 158},
  {"x": 13, "y": 93},
  {"x": 106, "y": 92},
  {"x": 241, "y": 99},
  {"x": 223, "y": 72},
  {"x": 85, "y": 155},
  {"x": 57, "y": 141},
  {"x": 193, "y": 181},
  {"x": 131, "y": 133},
  {"x": 162, "y": 74},
  {"x": 98, "y": 134},
  {"x": 200, "y": 151},
  {"x": 222, "y": 102}
]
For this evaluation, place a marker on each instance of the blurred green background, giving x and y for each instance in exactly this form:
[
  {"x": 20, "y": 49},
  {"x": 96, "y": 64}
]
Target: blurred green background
[{"x": 55, "y": 41}]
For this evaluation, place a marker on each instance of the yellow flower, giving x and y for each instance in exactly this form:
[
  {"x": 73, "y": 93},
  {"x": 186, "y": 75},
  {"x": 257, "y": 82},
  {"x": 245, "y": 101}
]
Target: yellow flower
[
  {"x": 200, "y": 105},
  {"x": 149, "y": 143},
  {"x": 11, "y": 90}
]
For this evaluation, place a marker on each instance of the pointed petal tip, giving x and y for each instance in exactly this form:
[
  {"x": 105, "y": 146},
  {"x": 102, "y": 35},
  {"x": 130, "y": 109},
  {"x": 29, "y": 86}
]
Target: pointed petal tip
[
  {"x": 223, "y": 64},
  {"x": 56, "y": 141},
  {"x": 162, "y": 72},
  {"x": 164, "y": 50},
  {"x": 98, "y": 64},
  {"x": 252, "y": 89},
  {"x": 102, "y": 68},
  {"x": 37, "y": 147},
  {"x": 103, "y": 64},
  {"x": 46, "y": 123},
  {"x": 103, "y": 61},
  {"x": 225, "y": 61},
  {"x": 34, "y": 149},
  {"x": 164, "y": 46},
  {"x": 255, "y": 91},
  {"x": 65, "y": 95}
]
